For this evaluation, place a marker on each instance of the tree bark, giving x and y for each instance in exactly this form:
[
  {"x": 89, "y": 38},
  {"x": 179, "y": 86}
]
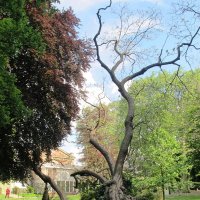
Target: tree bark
[
  {"x": 115, "y": 192},
  {"x": 163, "y": 184},
  {"x": 45, "y": 194},
  {"x": 163, "y": 191},
  {"x": 47, "y": 179}
]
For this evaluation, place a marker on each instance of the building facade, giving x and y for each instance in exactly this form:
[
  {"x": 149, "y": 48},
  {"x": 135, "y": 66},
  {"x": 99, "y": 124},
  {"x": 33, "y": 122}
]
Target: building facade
[{"x": 59, "y": 169}]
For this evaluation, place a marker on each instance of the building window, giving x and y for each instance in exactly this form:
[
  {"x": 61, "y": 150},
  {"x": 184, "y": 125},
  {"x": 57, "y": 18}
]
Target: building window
[
  {"x": 67, "y": 187},
  {"x": 61, "y": 185},
  {"x": 71, "y": 186}
]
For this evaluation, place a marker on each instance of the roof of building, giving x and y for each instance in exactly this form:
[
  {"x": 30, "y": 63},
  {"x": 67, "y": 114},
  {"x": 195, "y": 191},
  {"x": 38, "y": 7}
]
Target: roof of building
[{"x": 59, "y": 156}]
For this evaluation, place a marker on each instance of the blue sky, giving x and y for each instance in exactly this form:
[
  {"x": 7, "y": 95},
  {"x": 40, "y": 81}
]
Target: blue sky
[{"x": 86, "y": 10}]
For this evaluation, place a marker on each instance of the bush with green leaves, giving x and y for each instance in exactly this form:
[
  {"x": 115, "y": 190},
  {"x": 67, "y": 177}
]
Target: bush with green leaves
[
  {"x": 30, "y": 189},
  {"x": 145, "y": 195}
]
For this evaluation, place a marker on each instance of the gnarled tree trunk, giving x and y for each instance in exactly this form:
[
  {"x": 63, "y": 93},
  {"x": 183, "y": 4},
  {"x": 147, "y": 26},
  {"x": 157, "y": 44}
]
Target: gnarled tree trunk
[{"x": 114, "y": 187}]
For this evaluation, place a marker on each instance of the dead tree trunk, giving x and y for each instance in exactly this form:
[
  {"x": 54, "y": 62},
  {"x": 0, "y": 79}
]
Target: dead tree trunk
[{"x": 47, "y": 179}]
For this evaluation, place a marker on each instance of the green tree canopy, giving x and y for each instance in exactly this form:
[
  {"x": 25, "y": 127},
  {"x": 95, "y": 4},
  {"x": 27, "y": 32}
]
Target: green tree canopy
[{"x": 43, "y": 60}]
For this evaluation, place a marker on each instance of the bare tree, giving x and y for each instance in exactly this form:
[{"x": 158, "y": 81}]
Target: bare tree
[{"x": 125, "y": 48}]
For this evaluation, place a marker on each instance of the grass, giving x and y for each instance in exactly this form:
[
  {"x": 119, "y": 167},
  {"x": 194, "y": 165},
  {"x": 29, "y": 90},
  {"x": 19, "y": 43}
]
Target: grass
[
  {"x": 77, "y": 197},
  {"x": 190, "y": 197},
  {"x": 29, "y": 195},
  {"x": 74, "y": 197},
  {"x": 70, "y": 197}
]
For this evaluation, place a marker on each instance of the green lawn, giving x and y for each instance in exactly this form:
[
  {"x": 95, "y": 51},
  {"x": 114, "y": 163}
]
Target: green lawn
[
  {"x": 70, "y": 197},
  {"x": 74, "y": 197},
  {"x": 77, "y": 197},
  {"x": 192, "y": 197}
]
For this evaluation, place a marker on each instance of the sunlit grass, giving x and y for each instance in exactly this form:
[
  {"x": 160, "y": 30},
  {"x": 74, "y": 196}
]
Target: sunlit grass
[
  {"x": 70, "y": 197},
  {"x": 191, "y": 197},
  {"x": 77, "y": 197}
]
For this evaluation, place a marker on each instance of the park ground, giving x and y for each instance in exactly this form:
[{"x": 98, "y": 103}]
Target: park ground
[
  {"x": 69, "y": 197},
  {"x": 77, "y": 197}
]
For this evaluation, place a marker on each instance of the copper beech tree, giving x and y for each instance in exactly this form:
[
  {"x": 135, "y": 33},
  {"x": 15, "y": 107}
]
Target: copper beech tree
[
  {"x": 50, "y": 80},
  {"x": 130, "y": 33}
]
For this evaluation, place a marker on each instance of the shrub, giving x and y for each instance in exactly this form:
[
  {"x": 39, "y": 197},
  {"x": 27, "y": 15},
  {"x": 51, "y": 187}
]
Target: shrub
[
  {"x": 145, "y": 195},
  {"x": 30, "y": 189}
]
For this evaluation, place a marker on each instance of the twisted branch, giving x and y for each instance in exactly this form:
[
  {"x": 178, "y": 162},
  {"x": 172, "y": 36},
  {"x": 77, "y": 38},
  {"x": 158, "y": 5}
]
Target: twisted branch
[{"x": 90, "y": 173}]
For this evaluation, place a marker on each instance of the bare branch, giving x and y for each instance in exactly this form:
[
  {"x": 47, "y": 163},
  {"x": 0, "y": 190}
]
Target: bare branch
[
  {"x": 90, "y": 173},
  {"x": 93, "y": 130},
  {"x": 98, "y": 33},
  {"x": 159, "y": 64},
  {"x": 104, "y": 153},
  {"x": 97, "y": 125},
  {"x": 112, "y": 75},
  {"x": 121, "y": 57}
]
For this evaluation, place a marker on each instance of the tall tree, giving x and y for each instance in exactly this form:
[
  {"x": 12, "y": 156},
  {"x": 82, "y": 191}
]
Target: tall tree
[
  {"x": 50, "y": 80},
  {"x": 125, "y": 47},
  {"x": 193, "y": 141},
  {"x": 15, "y": 32}
]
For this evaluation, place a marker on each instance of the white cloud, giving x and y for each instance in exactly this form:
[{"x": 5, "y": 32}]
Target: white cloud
[
  {"x": 113, "y": 89},
  {"x": 70, "y": 146},
  {"x": 127, "y": 85},
  {"x": 132, "y": 23},
  {"x": 95, "y": 94},
  {"x": 89, "y": 78},
  {"x": 81, "y": 5}
]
